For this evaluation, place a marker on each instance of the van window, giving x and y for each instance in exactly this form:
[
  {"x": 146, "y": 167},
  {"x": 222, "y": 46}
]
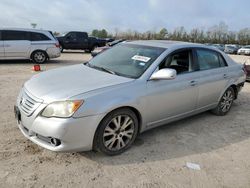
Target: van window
[
  {"x": 16, "y": 35},
  {"x": 38, "y": 37},
  {"x": 0, "y": 35}
]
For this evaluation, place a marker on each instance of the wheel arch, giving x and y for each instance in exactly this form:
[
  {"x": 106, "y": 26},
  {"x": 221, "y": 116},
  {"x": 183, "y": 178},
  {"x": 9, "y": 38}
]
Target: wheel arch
[
  {"x": 235, "y": 90},
  {"x": 133, "y": 109},
  {"x": 39, "y": 50}
]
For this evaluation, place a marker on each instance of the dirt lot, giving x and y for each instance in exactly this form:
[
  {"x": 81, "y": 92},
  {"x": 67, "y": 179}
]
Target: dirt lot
[{"x": 220, "y": 145}]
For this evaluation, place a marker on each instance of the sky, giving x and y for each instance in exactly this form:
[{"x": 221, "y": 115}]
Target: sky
[{"x": 122, "y": 15}]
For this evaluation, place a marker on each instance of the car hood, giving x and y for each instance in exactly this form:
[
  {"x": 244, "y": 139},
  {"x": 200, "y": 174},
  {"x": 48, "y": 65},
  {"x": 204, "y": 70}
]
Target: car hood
[{"x": 66, "y": 82}]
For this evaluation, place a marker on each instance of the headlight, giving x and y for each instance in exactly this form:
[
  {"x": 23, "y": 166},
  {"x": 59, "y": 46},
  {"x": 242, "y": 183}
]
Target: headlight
[{"x": 62, "y": 109}]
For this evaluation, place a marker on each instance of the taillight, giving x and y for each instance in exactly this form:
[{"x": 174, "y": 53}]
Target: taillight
[{"x": 57, "y": 45}]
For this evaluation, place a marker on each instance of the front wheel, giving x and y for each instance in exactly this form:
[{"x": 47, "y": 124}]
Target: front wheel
[
  {"x": 225, "y": 103},
  {"x": 39, "y": 57},
  {"x": 116, "y": 132}
]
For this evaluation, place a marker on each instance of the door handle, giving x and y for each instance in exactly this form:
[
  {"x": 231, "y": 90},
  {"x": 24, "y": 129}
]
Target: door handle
[
  {"x": 225, "y": 76},
  {"x": 193, "y": 83}
]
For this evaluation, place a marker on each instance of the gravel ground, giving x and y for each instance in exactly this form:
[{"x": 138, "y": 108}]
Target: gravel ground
[{"x": 220, "y": 145}]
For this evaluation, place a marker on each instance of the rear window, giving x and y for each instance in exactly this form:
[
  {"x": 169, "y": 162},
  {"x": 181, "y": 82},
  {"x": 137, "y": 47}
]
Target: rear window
[
  {"x": 38, "y": 37},
  {"x": 16, "y": 35}
]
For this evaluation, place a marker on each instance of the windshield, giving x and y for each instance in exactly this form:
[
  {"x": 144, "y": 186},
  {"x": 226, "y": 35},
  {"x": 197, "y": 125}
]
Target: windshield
[{"x": 127, "y": 60}]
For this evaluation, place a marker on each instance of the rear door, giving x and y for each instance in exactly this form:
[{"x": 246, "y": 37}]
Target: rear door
[
  {"x": 16, "y": 44},
  {"x": 1, "y": 46},
  {"x": 213, "y": 76},
  {"x": 82, "y": 40}
]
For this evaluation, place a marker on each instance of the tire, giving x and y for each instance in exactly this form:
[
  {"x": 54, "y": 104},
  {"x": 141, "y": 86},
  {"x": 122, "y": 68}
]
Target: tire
[
  {"x": 61, "y": 48},
  {"x": 225, "y": 103},
  {"x": 92, "y": 48},
  {"x": 39, "y": 57},
  {"x": 116, "y": 132}
]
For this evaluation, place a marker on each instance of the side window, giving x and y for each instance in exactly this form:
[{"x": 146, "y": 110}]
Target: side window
[
  {"x": 85, "y": 35},
  {"x": 0, "y": 35},
  {"x": 180, "y": 61},
  {"x": 222, "y": 61},
  {"x": 81, "y": 35},
  {"x": 38, "y": 37},
  {"x": 71, "y": 36},
  {"x": 208, "y": 59},
  {"x": 16, "y": 35}
]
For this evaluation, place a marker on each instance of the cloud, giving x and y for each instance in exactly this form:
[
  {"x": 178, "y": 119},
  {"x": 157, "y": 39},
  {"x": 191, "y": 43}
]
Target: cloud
[{"x": 141, "y": 15}]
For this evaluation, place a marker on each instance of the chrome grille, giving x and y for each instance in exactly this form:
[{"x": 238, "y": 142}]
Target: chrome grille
[{"x": 28, "y": 103}]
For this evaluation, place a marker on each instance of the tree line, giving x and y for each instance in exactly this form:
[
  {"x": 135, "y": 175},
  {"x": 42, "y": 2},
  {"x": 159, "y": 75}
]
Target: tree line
[{"x": 218, "y": 34}]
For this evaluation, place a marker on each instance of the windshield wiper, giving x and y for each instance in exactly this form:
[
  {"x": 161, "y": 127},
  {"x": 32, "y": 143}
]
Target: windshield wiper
[
  {"x": 107, "y": 70},
  {"x": 101, "y": 68}
]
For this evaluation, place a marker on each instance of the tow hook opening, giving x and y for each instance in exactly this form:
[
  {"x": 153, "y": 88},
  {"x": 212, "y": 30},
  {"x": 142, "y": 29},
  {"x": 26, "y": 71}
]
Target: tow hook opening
[{"x": 55, "y": 141}]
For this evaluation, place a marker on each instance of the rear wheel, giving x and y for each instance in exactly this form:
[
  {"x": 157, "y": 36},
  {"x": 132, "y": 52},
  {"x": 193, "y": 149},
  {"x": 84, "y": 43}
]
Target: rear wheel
[
  {"x": 61, "y": 48},
  {"x": 116, "y": 132},
  {"x": 92, "y": 48},
  {"x": 39, "y": 57},
  {"x": 225, "y": 103}
]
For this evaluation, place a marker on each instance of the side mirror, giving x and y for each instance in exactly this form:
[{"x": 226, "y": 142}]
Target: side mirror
[{"x": 164, "y": 74}]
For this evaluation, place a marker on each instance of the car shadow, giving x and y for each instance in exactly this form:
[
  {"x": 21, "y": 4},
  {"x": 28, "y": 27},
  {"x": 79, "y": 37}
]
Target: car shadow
[
  {"x": 74, "y": 52},
  {"x": 199, "y": 134}
]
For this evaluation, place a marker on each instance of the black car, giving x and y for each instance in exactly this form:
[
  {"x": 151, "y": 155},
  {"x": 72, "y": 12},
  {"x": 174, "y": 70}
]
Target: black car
[{"x": 76, "y": 40}]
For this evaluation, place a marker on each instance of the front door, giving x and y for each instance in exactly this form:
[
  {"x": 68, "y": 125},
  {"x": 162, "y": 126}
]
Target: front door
[
  {"x": 71, "y": 41},
  {"x": 168, "y": 99}
]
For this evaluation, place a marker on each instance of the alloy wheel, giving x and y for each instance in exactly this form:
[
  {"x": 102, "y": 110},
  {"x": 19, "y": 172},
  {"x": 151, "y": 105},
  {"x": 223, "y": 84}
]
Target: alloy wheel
[
  {"x": 118, "y": 133},
  {"x": 39, "y": 57},
  {"x": 227, "y": 101}
]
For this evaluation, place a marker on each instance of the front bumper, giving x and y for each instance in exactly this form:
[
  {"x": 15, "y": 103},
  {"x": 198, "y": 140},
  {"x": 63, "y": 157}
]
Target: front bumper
[{"x": 75, "y": 134}]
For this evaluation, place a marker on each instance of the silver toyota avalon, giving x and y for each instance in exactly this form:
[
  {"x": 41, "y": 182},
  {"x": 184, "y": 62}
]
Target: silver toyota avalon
[{"x": 135, "y": 86}]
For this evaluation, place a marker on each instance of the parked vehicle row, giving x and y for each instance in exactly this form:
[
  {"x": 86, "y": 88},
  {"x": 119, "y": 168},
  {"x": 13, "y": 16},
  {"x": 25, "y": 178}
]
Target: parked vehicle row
[
  {"x": 76, "y": 40},
  {"x": 244, "y": 50},
  {"x": 37, "y": 45},
  {"x": 232, "y": 48},
  {"x": 135, "y": 86}
]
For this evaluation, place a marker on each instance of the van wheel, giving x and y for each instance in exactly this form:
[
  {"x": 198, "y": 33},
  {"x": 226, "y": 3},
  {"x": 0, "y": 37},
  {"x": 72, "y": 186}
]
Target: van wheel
[
  {"x": 39, "y": 57},
  {"x": 116, "y": 132},
  {"x": 225, "y": 103}
]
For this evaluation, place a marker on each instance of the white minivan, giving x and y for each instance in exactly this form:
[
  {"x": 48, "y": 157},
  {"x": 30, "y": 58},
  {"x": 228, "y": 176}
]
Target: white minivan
[{"x": 37, "y": 45}]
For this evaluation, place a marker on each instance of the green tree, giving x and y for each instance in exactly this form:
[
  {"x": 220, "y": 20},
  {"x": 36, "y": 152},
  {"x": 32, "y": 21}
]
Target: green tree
[{"x": 162, "y": 34}]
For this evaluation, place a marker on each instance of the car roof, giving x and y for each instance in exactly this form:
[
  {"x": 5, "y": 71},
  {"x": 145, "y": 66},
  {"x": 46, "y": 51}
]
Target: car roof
[
  {"x": 167, "y": 44},
  {"x": 24, "y": 29}
]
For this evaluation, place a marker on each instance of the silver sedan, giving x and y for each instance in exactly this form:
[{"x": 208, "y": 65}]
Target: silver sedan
[{"x": 135, "y": 86}]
